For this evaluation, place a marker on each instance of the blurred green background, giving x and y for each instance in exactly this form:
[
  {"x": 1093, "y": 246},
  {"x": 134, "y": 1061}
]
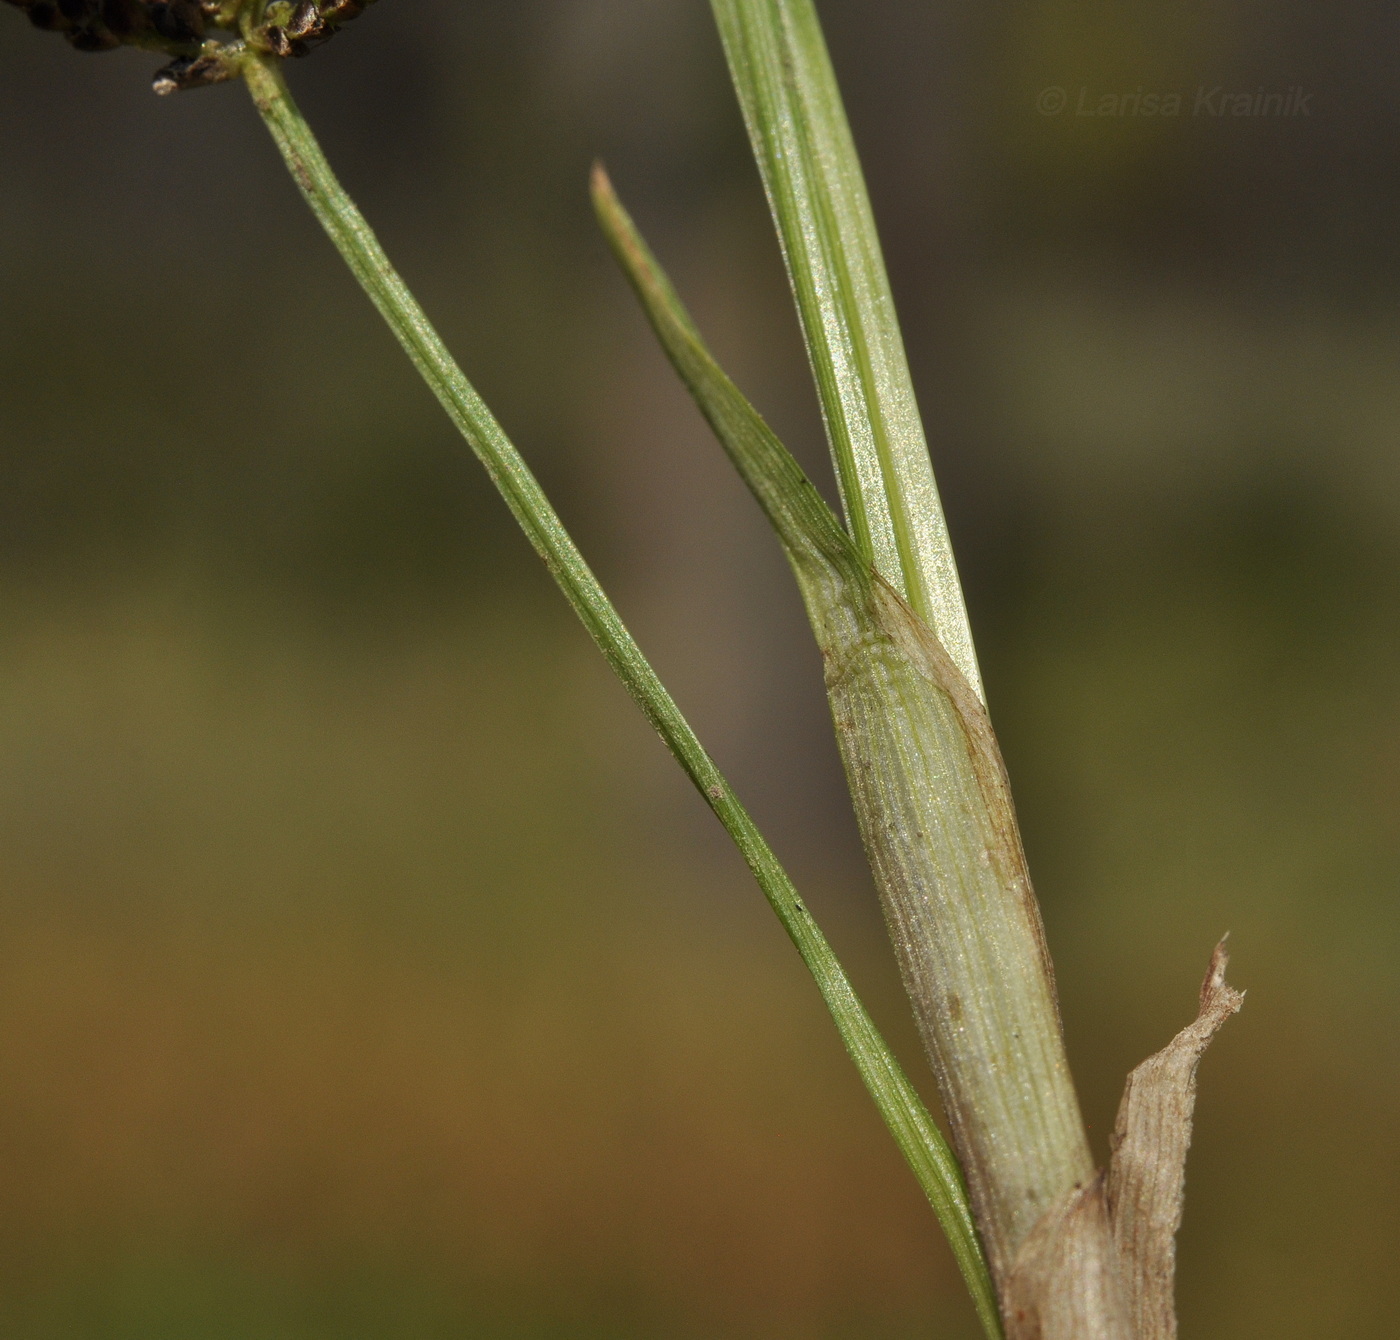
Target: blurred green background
[{"x": 367, "y": 969}]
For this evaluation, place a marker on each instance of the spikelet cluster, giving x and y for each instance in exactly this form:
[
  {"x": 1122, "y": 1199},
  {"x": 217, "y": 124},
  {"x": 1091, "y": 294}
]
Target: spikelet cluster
[{"x": 188, "y": 30}]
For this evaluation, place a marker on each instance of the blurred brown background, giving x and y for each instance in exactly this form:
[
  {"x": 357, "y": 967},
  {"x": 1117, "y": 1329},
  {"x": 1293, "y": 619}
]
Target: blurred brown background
[{"x": 366, "y": 968}]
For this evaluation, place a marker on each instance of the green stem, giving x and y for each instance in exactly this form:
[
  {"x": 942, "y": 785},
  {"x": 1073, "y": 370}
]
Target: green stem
[{"x": 904, "y": 1113}]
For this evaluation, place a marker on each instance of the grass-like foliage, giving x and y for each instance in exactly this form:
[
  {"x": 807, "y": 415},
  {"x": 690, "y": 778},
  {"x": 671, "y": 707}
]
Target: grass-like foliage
[
  {"x": 1029, "y": 1222},
  {"x": 914, "y": 1131}
]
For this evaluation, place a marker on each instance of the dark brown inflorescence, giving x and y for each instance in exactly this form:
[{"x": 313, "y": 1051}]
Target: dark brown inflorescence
[{"x": 185, "y": 29}]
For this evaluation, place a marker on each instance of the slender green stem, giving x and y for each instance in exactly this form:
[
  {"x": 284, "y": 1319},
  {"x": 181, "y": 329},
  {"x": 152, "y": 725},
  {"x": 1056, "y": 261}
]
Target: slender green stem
[
  {"x": 797, "y": 125},
  {"x": 904, "y": 1113}
]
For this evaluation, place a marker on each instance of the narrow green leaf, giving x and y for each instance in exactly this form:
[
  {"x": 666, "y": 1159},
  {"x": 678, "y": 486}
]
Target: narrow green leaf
[
  {"x": 808, "y": 162},
  {"x": 897, "y": 1100},
  {"x": 935, "y": 813}
]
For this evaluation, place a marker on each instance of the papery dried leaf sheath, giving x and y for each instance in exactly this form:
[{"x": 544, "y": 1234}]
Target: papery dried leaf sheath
[{"x": 1147, "y": 1173}]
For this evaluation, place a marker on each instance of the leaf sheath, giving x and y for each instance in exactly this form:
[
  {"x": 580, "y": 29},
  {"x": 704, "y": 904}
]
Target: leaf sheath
[{"x": 934, "y": 809}]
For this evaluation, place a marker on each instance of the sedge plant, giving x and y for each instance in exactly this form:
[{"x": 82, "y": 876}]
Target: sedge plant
[{"x": 1050, "y": 1247}]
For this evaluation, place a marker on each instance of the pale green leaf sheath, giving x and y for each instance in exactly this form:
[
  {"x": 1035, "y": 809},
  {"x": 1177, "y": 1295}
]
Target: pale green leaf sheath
[
  {"x": 934, "y": 810},
  {"x": 808, "y": 162},
  {"x": 898, "y": 1102}
]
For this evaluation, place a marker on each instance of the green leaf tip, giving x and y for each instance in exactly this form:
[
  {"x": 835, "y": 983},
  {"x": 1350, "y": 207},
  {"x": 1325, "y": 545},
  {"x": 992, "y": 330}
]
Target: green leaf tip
[{"x": 810, "y": 532}]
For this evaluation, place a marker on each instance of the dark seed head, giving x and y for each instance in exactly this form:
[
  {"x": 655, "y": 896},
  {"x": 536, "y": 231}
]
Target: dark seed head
[
  {"x": 178, "y": 20},
  {"x": 209, "y": 67},
  {"x": 306, "y": 19},
  {"x": 94, "y": 37},
  {"x": 276, "y": 40},
  {"x": 288, "y": 28},
  {"x": 125, "y": 18},
  {"x": 44, "y": 14}
]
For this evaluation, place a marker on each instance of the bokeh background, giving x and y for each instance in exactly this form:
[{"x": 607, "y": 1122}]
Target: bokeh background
[{"x": 367, "y": 969}]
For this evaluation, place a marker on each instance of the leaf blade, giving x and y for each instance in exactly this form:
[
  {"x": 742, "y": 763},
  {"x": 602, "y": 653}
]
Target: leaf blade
[{"x": 816, "y": 191}]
